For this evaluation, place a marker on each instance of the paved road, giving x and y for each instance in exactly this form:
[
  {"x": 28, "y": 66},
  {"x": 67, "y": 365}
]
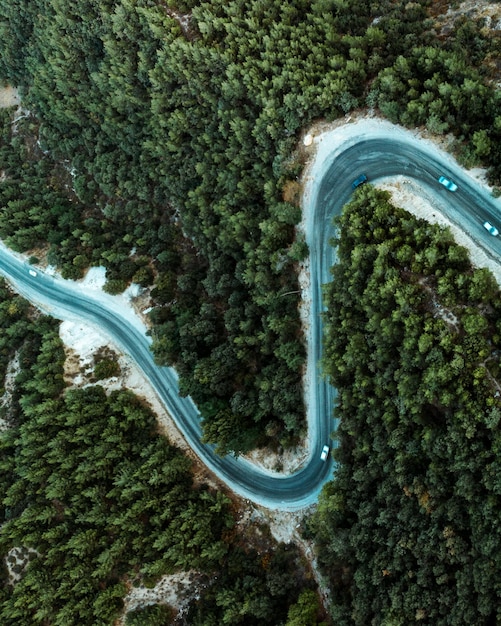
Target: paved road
[
  {"x": 64, "y": 300},
  {"x": 375, "y": 156},
  {"x": 381, "y": 152}
]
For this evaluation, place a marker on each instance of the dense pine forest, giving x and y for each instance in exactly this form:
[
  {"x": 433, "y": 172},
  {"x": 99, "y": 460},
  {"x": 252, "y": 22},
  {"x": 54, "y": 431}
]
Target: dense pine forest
[
  {"x": 408, "y": 532},
  {"x": 95, "y": 501},
  {"x": 159, "y": 139},
  {"x": 160, "y": 142}
]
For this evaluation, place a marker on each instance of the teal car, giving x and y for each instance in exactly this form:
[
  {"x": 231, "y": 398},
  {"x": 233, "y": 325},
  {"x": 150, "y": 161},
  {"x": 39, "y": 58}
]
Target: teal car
[{"x": 448, "y": 184}]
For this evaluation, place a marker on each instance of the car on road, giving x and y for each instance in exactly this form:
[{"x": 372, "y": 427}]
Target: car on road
[
  {"x": 359, "y": 181},
  {"x": 448, "y": 184},
  {"x": 32, "y": 273},
  {"x": 325, "y": 453},
  {"x": 492, "y": 229}
]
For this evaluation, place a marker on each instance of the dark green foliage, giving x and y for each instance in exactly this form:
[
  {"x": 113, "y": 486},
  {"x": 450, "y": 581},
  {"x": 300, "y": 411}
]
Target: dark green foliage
[
  {"x": 174, "y": 141},
  {"x": 468, "y": 38},
  {"x": 164, "y": 147},
  {"x": 38, "y": 208},
  {"x": 154, "y": 615},
  {"x": 439, "y": 88},
  {"x": 305, "y": 611},
  {"x": 87, "y": 482},
  {"x": 105, "y": 368},
  {"x": 407, "y": 531},
  {"x": 13, "y": 327},
  {"x": 156, "y": 141},
  {"x": 115, "y": 286},
  {"x": 103, "y": 497},
  {"x": 97, "y": 500},
  {"x": 251, "y": 589}
]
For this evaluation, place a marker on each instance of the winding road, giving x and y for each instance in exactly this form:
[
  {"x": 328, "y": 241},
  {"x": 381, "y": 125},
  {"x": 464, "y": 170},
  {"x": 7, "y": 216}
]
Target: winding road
[{"x": 378, "y": 150}]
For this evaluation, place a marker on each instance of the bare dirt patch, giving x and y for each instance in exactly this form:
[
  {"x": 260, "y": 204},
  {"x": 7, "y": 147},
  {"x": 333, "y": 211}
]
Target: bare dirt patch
[
  {"x": 176, "y": 590},
  {"x": 9, "y": 387},
  {"x": 285, "y": 526},
  {"x": 473, "y": 9},
  {"x": 17, "y": 561},
  {"x": 9, "y": 97},
  {"x": 283, "y": 462}
]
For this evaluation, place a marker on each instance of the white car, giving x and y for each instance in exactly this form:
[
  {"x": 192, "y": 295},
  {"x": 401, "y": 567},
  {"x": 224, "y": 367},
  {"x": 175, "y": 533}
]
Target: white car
[
  {"x": 492, "y": 229},
  {"x": 448, "y": 184},
  {"x": 32, "y": 273},
  {"x": 325, "y": 453}
]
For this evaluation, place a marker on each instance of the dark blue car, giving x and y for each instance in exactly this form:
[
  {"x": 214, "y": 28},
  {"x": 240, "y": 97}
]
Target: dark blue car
[{"x": 359, "y": 181}]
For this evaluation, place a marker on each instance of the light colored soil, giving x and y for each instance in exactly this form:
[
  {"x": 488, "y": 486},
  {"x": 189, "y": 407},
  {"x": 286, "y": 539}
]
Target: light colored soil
[
  {"x": 476, "y": 9},
  {"x": 285, "y": 526},
  {"x": 287, "y": 462},
  {"x": 176, "y": 590},
  {"x": 17, "y": 560},
  {"x": 82, "y": 343},
  {"x": 9, "y": 386},
  {"x": 9, "y": 97}
]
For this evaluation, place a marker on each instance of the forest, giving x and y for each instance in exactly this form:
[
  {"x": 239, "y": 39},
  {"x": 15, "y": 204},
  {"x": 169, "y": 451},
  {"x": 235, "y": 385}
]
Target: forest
[
  {"x": 95, "y": 501},
  {"x": 159, "y": 140},
  {"x": 408, "y": 531}
]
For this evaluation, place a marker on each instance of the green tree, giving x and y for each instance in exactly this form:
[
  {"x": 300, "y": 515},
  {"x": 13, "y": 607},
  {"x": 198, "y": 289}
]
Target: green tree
[
  {"x": 153, "y": 615},
  {"x": 305, "y": 611},
  {"x": 407, "y": 503}
]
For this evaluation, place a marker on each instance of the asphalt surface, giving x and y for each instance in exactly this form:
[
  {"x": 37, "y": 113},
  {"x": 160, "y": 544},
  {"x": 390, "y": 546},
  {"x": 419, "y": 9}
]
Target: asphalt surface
[
  {"x": 63, "y": 300},
  {"x": 380, "y": 151},
  {"x": 331, "y": 174}
]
